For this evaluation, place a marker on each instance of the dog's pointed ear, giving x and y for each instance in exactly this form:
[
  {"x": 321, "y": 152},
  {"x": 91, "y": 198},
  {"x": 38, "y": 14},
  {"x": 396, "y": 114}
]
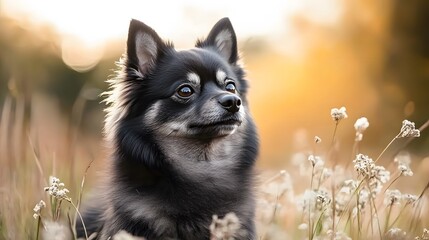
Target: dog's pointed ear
[
  {"x": 222, "y": 37},
  {"x": 144, "y": 46}
]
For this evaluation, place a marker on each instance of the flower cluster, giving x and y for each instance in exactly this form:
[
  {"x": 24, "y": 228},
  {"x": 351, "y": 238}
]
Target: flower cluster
[
  {"x": 38, "y": 209},
  {"x": 408, "y": 129},
  {"x": 57, "y": 189},
  {"x": 338, "y": 114},
  {"x": 364, "y": 165},
  {"x": 375, "y": 175}
]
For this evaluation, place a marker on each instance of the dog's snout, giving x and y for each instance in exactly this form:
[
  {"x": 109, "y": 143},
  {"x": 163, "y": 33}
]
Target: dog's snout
[{"x": 230, "y": 102}]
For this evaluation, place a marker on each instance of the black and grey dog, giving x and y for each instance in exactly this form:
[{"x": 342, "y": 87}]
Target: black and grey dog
[{"x": 183, "y": 141}]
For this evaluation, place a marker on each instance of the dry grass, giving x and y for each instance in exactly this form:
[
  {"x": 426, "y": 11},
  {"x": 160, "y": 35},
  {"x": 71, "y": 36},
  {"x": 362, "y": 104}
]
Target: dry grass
[{"x": 321, "y": 197}]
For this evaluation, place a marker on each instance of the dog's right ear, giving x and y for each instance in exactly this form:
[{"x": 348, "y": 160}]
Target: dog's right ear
[{"x": 144, "y": 46}]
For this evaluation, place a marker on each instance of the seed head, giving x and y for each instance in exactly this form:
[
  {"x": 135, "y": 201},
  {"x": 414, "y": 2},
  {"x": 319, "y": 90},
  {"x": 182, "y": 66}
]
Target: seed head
[
  {"x": 392, "y": 197},
  {"x": 409, "y": 198},
  {"x": 317, "y": 139},
  {"x": 408, "y": 129},
  {"x": 57, "y": 189},
  {"x": 404, "y": 160},
  {"x": 361, "y": 125},
  {"x": 38, "y": 208},
  {"x": 338, "y": 114},
  {"x": 225, "y": 228}
]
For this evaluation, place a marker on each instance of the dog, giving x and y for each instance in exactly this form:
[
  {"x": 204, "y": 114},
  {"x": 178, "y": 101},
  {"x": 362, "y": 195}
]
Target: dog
[{"x": 183, "y": 141}]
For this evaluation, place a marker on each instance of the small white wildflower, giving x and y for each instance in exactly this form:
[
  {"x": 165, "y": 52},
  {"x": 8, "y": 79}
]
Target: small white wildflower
[
  {"x": 306, "y": 201},
  {"x": 225, "y": 228},
  {"x": 56, "y": 230},
  {"x": 404, "y": 160},
  {"x": 337, "y": 235},
  {"x": 338, "y": 114},
  {"x": 392, "y": 197},
  {"x": 38, "y": 208},
  {"x": 303, "y": 226},
  {"x": 364, "y": 165},
  {"x": 381, "y": 174},
  {"x": 317, "y": 139},
  {"x": 361, "y": 125},
  {"x": 364, "y": 195},
  {"x": 408, "y": 129},
  {"x": 57, "y": 189},
  {"x": 405, "y": 170},
  {"x": 424, "y": 236},
  {"x": 316, "y": 160},
  {"x": 409, "y": 198},
  {"x": 325, "y": 174},
  {"x": 343, "y": 195},
  {"x": 322, "y": 199},
  {"x": 395, "y": 233}
]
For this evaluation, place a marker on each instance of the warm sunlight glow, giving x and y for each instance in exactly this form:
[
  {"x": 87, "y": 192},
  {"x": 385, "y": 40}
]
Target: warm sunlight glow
[{"x": 85, "y": 26}]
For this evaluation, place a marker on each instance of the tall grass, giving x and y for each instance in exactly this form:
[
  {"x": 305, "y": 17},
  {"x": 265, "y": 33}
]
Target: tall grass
[
  {"x": 357, "y": 199},
  {"x": 319, "y": 198}
]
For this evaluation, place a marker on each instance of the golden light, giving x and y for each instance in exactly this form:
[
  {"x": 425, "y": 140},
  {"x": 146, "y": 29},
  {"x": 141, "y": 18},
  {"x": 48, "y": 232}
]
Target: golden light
[{"x": 86, "y": 26}]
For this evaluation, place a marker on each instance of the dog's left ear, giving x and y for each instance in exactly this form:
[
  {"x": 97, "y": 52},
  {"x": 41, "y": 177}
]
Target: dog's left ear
[{"x": 222, "y": 37}]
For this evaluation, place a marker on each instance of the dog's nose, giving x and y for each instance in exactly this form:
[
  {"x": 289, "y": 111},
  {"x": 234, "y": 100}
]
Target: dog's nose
[{"x": 230, "y": 102}]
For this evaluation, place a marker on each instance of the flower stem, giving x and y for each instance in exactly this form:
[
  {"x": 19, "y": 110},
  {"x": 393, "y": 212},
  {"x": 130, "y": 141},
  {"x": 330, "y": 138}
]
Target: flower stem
[
  {"x": 386, "y": 225},
  {"x": 81, "y": 219},
  {"x": 388, "y": 145},
  {"x": 39, "y": 221}
]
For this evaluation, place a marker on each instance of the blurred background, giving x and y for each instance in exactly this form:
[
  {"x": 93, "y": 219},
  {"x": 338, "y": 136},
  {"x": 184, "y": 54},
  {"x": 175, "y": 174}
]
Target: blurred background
[{"x": 303, "y": 58}]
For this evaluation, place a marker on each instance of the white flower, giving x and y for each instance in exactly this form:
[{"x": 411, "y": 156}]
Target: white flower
[
  {"x": 338, "y": 114},
  {"x": 38, "y": 208},
  {"x": 361, "y": 125},
  {"x": 409, "y": 198},
  {"x": 395, "y": 233},
  {"x": 364, "y": 165},
  {"x": 392, "y": 197},
  {"x": 57, "y": 189},
  {"x": 381, "y": 174},
  {"x": 225, "y": 228},
  {"x": 317, "y": 139},
  {"x": 337, "y": 235},
  {"x": 363, "y": 198},
  {"x": 403, "y": 159},
  {"x": 303, "y": 226},
  {"x": 322, "y": 199},
  {"x": 408, "y": 129},
  {"x": 316, "y": 160}
]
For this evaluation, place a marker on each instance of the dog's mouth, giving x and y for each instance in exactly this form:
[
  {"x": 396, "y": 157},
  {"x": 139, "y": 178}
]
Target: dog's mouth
[{"x": 222, "y": 123}]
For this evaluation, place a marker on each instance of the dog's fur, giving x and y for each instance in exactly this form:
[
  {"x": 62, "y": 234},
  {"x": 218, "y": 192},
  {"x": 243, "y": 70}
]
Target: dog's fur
[{"x": 184, "y": 143}]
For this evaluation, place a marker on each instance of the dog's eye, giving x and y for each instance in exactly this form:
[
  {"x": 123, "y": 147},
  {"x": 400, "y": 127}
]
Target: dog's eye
[
  {"x": 185, "y": 91},
  {"x": 230, "y": 87}
]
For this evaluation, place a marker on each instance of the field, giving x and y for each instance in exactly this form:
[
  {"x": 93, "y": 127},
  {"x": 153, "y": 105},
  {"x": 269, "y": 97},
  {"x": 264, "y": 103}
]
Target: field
[
  {"x": 324, "y": 171},
  {"x": 318, "y": 197}
]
